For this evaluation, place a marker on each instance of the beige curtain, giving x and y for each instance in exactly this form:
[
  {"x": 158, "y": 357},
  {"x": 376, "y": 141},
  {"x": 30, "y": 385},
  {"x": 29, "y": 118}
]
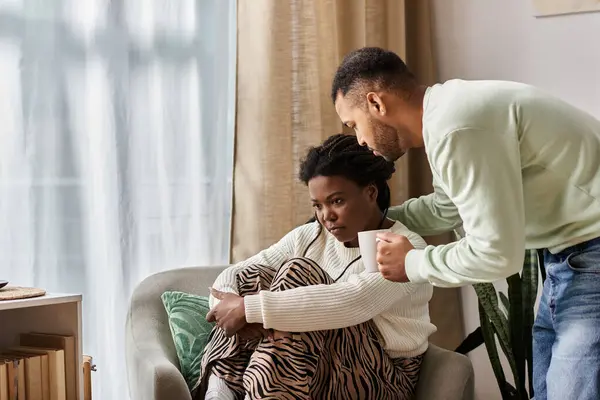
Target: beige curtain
[{"x": 288, "y": 52}]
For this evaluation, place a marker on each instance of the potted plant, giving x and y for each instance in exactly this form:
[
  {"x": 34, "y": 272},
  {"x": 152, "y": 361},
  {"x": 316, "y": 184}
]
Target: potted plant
[{"x": 507, "y": 319}]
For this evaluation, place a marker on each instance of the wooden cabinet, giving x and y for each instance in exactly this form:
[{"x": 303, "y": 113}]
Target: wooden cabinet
[{"x": 58, "y": 314}]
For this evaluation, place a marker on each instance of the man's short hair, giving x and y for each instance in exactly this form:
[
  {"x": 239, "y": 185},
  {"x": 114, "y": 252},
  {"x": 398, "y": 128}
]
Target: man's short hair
[{"x": 373, "y": 67}]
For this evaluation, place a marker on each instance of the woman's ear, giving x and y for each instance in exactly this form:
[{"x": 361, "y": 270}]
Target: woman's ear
[
  {"x": 372, "y": 192},
  {"x": 313, "y": 219}
]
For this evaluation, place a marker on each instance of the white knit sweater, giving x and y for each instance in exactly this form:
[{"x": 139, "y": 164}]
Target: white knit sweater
[{"x": 399, "y": 310}]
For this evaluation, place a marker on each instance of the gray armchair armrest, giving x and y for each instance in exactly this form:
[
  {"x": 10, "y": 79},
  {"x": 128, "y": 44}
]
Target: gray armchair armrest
[
  {"x": 445, "y": 375},
  {"x": 152, "y": 365},
  {"x": 152, "y": 376}
]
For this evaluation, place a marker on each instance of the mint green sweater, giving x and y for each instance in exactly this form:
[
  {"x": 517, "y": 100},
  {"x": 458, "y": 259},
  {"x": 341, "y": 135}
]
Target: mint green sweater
[{"x": 517, "y": 168}]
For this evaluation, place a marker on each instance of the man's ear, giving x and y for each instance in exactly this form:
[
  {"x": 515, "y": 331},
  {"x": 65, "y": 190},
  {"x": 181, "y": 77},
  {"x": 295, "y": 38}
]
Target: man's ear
[{"x": 375, "y": 104}]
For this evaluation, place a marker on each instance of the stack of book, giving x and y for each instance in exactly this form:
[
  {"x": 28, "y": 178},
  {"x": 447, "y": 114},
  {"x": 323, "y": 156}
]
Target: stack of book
[{"x": 41, "y": 367}]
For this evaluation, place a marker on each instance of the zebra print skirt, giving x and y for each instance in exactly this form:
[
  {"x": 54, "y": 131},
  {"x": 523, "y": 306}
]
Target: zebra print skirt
[{"x": 347, "y": 363}]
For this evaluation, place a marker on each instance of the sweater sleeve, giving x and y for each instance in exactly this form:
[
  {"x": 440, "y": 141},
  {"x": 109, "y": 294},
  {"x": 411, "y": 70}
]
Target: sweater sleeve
[
  {"x": 270, "y": 258},
  {"x": 481, "y": 173},
  {"x": 428, "y": 215},
  {"x": 322, "y": 307}
]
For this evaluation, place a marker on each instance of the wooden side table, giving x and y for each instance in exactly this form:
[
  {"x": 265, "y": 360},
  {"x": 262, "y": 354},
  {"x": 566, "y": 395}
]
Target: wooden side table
[{"x": 58, "y": 314}]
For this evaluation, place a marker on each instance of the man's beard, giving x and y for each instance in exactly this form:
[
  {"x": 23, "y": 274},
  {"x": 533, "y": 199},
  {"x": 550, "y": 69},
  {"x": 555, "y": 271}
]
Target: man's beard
[{"x": 387, "y": 142}]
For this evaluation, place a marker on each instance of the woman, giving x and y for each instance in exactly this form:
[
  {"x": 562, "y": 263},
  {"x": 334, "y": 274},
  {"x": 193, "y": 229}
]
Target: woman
[{"x": 302, "y": 319}]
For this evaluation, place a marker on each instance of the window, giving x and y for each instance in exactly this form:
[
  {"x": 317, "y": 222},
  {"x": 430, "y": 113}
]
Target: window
[{"x": 116, "y": 151}]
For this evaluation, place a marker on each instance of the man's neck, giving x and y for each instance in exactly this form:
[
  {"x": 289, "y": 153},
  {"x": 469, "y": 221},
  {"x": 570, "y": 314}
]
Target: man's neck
[
  {"x": 415, "y": 123},
  {"x": 418, "y": 97}
]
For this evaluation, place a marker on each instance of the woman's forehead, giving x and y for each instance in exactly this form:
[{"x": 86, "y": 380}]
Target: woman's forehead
[{"x": 323, "y": 186}]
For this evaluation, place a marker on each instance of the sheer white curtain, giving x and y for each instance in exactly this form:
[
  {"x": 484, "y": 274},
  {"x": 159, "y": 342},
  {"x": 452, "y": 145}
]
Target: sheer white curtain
[{"x": 116, "y": 151}]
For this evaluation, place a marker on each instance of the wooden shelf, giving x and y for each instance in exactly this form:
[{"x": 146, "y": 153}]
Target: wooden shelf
[
  {"x": 49, "y": 299},
  {"x": 58, "y": 314}
]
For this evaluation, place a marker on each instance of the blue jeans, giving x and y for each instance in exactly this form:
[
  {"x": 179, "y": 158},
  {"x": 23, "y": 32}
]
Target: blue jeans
[{"x": 566, "y": 333}]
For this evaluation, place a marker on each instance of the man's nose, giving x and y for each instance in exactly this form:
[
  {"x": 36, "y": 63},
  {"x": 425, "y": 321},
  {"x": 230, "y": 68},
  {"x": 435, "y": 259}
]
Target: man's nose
[{"x": 360, "y": 139}]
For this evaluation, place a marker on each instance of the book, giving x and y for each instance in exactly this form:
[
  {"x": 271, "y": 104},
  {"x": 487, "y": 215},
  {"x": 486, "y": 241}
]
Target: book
[
  {"x": 53, "y": 370},
  {"x": 32, "y": 373},
  {"x": 3, "y": 381},
  {"x": 16, "y": 377},
  {"x": 58, "y": 342}
]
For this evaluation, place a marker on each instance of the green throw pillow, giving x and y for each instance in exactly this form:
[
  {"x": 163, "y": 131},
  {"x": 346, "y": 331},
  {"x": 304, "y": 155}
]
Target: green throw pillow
[{"x": 190, "y": 330}]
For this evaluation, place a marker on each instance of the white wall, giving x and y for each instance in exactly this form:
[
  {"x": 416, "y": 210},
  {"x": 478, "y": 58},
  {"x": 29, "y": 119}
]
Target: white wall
[{"x": 491, "y": 39}]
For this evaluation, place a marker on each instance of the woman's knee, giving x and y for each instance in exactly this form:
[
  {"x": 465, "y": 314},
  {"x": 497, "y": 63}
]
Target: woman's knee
[
  {"x": 298, "y": 272},
  {"x": 253, "y": 279}
]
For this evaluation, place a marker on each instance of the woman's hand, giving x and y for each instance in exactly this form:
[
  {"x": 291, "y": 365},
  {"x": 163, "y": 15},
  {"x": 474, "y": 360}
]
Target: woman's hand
[
  {"x": 229, "y": 314},
  {"x": 254, "y": 331}
]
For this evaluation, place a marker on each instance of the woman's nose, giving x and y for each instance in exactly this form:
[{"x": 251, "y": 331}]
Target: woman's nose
[{"x": 329, "y": 215}]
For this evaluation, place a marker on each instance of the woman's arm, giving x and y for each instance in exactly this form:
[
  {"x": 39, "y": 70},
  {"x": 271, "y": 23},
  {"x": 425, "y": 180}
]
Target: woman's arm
[
  {"x": 322, "y": 307},
  {"x": 271, "y": 258}
]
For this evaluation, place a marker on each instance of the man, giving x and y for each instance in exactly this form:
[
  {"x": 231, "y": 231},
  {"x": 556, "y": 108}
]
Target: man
[{"x": 517, "y": 169}]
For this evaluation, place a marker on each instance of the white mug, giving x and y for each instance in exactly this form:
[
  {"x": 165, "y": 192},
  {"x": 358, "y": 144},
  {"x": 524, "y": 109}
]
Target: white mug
[{"x": 368, "y": 248}]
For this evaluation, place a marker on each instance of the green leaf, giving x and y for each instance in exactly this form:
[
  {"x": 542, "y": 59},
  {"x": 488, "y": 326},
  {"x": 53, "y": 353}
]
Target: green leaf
[
  {"x": 540, "y": 263},
  {"x": 505, "y": 303},
  {"x": 486, "y": 293},
  {"x": 488, "y": 299},
  {"x": 530, "y": 281},
  {"x": 490, "y": 344},
  {"x": 515, "y": 296}
]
